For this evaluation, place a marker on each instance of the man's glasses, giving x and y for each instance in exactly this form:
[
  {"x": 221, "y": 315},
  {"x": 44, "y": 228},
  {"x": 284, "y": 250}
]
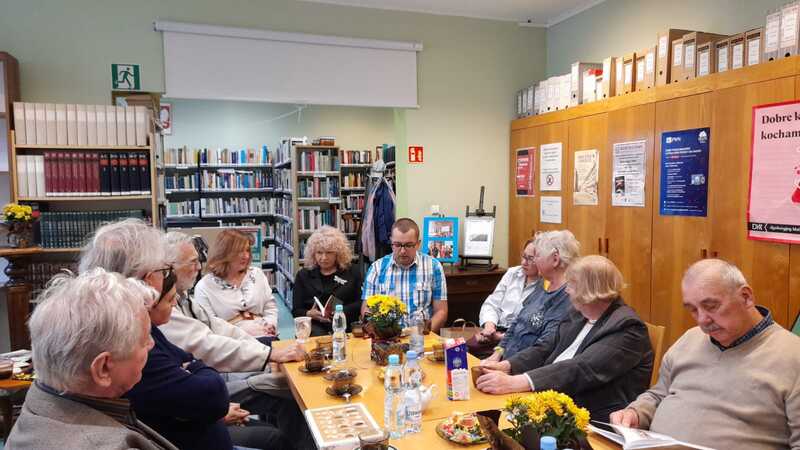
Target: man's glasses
[
  {"x": 165, "y": 272},
  {"x": 406, "y": 245}
]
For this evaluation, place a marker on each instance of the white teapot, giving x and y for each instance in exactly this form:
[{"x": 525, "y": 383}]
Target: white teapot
[{"x": 426, "y": 394}]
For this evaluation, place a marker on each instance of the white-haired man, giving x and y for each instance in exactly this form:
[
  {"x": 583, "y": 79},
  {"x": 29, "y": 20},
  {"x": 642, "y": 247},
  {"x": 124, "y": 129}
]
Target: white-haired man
[
  {"x": 732, "y": 381},
  {"x": 90, "y": 336}
]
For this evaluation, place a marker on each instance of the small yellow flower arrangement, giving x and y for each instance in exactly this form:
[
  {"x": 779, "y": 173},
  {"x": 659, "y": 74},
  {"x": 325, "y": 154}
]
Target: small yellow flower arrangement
[
  {"x": 385, "y": 315},
  {"x": 550, "y": 413},
  {"x": 18, "y": 213}
]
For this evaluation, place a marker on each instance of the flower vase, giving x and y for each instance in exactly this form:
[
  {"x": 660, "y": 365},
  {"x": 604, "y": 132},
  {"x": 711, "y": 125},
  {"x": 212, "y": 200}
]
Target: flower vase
[{"x": 20, "y": 234}]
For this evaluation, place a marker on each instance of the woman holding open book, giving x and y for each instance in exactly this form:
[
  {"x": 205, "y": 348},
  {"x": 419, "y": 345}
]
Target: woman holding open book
[
  {"x": 235, "y": 291},
  {"x": 601, "y": 355},
  {"x": 327, "y": 278}
]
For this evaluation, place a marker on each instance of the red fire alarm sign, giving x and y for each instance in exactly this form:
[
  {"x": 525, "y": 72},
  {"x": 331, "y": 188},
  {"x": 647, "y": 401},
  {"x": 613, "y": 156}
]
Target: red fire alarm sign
[{"x": 415, "y": 154}]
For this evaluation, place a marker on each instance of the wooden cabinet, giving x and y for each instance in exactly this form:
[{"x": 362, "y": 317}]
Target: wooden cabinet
[
  {"x": 466, "y": 291},
  {"x": 523, "y": 220},
  {"x": 549, "y": 134},
  {"x": 764, "y": 264},
  {"x": 651, "y": 250},
  {"x": 678, "y": 241},
  {"x": 629, "y": 230},
  {"x": 587, "y": 222}
]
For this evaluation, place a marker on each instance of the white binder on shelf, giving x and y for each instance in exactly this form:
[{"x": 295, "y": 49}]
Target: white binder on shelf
[
  {"x": 91, "y": 125},
  {"x": 111, "y": 125},
  {"x": 30, "y": 123},
  {"x": 102, "y": 132},
  {"x": 41, "y": 124},
  {"x": 50, "y": 123},
  {"x": 61, "y": 124},
  {"x": 19, "y": 123},
  {"x": 72, "y": 125},
  {"x": 82, "y": 127}
]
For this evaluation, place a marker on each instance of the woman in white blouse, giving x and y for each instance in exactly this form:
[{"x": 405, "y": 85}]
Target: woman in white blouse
[{"x": 235, "y": 291}]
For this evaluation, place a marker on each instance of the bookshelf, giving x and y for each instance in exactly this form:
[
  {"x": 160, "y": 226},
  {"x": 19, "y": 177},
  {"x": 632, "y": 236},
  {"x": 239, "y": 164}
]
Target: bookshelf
[{"x": 354, "y": 167}]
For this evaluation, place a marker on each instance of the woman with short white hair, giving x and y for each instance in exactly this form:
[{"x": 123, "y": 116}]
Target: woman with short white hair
[
  {"x": 548, "y": 304},
  {"x": 600, "y": 355},
  {"x": 90, "y": 336}
]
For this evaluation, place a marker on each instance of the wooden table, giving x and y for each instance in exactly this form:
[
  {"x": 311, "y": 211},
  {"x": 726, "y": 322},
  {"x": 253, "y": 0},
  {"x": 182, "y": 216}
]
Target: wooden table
[
  {"x": 6, "y": 408},
  {"x": 309, "y": 392}
]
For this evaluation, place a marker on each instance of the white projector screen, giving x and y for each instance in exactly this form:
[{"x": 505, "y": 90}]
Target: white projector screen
[{"x": 223, "y": 63}]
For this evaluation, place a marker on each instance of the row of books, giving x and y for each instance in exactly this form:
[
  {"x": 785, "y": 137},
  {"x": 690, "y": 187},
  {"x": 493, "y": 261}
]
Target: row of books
[
  {"x": 317, "y": 161},
  {"x": 40, "y": 273},
  {"x": 68, "y": 229},
  {"x": 186, "y": 208},
  {"x": 86, "y": 125},
  {"x": 354, "y": 179},
  {"x": 353, "y": 202},
  {"x": 235, "y": 179},
  {"x": 284, "y": 259},
  {"x": 237, "y": 206},
  {"x": 269, "y": 254},
  {"x": 283, "y": 179},
  {"x": 310, "y": 218},
  {"x": 350, "y": 224},
  {"x": 356, "y": 157},
  {"x": 284, "y": 150},
  {"x": 185, "y": 156},
  {"x": 69, "y": 174},
  {"x": 318, "y": 187},
  {"x": 283, "y": 232},
  {"x": 181, "y": 182}
]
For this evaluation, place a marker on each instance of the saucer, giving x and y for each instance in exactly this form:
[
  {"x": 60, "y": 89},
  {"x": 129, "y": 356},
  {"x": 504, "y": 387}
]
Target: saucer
[
  {"x": 312, "y": 372},
  {"x": 433, "y": 359},
  {"x": 391, "y": 447},
  {"x": 355, "y": 389}
]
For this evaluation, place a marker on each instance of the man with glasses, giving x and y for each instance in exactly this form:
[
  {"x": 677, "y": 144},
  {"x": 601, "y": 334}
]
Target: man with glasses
[
  {"x": 501, "y": 307},
  {"x": 415, "y": 278}
]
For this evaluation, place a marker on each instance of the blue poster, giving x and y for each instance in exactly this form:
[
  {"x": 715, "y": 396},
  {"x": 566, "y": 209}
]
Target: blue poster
[{"x": 684, "y": 172}]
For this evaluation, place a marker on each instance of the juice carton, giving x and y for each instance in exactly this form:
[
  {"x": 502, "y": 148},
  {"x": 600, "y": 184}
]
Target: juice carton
[{"x": 455, "y": 357}]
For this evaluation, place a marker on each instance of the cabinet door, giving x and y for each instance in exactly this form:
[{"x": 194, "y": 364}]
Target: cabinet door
[
  {"x": 794, "y": 284},
  {"x": 678, "y": 241},
  {"x": 549, "y": 134},
  {"x": 523, "y": 211},
  {"x": 587, "y": 222},
  {"x": 629, "y": 230},
  {"x": 764, "y": 264}
]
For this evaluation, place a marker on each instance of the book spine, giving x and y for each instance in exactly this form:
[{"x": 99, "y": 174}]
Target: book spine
[
  {"x": 105, "y": 174},
  {"x": 133, "y": 173},
  {"x": 114, "y": 168},
  {"x": 48, "y": 173},
  {"x": 144, "y": 173},
  {"x": 124, "y": 181}
]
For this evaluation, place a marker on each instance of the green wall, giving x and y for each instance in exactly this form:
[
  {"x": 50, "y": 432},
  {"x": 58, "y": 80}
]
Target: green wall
[
  {"x": 468, "y": 74},
  {"x": 616, "y": 27}
]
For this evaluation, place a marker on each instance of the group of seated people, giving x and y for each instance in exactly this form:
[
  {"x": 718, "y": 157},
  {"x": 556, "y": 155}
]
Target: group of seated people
[{"x": 135, "y": 352}]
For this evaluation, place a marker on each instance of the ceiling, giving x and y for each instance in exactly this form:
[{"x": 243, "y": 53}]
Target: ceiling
[{"x": 533, "y": 12}]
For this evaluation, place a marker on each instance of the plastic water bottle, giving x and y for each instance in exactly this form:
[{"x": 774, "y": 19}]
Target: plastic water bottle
[
  {"x": 417, "y": 338},
  {"x": 339, "y": 336},
  {"x": 412, "y": 379},
  {"x": 394, "y": 410},
  {"x": 547, "y": 443}
]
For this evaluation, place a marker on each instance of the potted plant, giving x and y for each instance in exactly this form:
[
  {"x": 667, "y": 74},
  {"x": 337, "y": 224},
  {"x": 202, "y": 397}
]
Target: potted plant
[
  {"x": 19, "y": 221},
  {"x": 384, "y": 324},
  {"x": 547, "y": 413}
]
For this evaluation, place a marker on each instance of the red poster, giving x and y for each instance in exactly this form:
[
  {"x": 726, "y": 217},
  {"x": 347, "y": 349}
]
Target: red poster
[
  {"x": 415, "y": 154},
  {"x": 525, "y": 171}
]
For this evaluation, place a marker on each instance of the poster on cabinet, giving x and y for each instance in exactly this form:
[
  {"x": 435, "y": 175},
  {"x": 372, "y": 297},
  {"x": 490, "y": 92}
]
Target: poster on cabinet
[
  {"x": 550, "y": 167},
  {"x": 773, "y": 213},
  {"x": 684, "y": 172},
  {"x": 525, "y": 170},
  {"x": 628, "y": 174},
  {"x": 586, "y": 172}
]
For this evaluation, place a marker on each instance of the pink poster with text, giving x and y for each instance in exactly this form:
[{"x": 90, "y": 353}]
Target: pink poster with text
[{"x": 774, "y": 207}]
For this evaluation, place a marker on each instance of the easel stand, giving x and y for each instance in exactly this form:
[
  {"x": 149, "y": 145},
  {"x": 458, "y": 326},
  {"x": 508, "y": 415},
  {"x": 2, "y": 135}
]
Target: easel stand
[{"x": 467, "y": 261}]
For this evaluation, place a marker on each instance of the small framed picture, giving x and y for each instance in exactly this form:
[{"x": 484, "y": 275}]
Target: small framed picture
[
  {"x": 165, "y": 117},
  {"x": 440, "y": 238},
  {"x": 478, "y": 236}
]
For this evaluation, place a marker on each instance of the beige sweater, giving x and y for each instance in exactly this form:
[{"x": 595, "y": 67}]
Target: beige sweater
[{"x": 747, "y": 397}]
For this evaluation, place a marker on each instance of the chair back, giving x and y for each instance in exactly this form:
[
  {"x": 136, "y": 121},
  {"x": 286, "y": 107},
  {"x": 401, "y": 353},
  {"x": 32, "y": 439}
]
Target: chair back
[{"x": 656, "y": 333}]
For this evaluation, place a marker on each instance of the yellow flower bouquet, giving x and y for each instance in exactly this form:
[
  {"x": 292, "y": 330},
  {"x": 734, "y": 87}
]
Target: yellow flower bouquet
[
  {"x": 384, "y": 316},
  {"x": 19, "y": 221},
  {"x": 18, "y": 213},
  {"x": 549, "y": 413}
]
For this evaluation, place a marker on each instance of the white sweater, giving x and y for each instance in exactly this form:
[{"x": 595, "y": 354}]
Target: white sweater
[{"x": 747, "y": 397}]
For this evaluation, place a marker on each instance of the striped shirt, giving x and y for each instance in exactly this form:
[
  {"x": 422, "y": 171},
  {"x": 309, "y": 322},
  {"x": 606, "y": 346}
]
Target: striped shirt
[{"x": 418, "y": 286}]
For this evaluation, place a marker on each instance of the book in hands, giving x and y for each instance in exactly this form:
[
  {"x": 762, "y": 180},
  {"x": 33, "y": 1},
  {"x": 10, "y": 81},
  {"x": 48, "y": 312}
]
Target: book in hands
[
  {"x": 329, "y": 307},
  {"x": 634, "y": 438}
]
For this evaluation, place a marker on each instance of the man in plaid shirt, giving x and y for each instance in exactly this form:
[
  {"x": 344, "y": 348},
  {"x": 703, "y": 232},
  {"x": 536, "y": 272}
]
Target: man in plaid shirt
[{"x": 415, "y": 278}]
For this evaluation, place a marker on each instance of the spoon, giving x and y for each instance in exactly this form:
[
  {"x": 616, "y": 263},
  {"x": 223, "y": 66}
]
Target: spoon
[{"x": 346, "y": 396}]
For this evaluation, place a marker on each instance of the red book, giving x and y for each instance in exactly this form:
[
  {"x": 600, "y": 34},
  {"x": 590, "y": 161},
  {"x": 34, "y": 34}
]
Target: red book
[
  {"x": 48, "y": 173},
  {"x": 82, "y": 188},
  {"x": 94, "y": 170},
  {"x": 75, "y": 164},
  {"x": 58, "y": 174}
]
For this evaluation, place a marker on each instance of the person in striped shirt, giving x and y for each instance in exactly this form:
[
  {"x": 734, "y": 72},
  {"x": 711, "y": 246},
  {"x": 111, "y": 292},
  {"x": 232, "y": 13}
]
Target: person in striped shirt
[{"x": 413, "y": 277}]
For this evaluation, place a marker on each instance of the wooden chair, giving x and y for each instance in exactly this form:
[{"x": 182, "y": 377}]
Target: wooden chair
[{"x": 656, "y": 333}]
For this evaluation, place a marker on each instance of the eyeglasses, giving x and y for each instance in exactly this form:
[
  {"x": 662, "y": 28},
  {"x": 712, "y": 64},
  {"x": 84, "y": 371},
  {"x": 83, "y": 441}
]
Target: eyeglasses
[
  {"x": 405, "y": 245},
  {"x": 528, "y": 258},
  {"x": 165, "y": 272}
]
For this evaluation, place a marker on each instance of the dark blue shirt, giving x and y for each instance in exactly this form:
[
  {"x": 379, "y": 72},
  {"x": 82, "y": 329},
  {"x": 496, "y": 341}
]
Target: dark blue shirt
[
  {"x": 540, "y": 315},
  {"x": 185, "y": 405}
]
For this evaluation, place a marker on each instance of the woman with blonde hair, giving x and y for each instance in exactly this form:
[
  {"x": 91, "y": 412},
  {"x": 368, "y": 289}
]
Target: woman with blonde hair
[
  {"x": 327, "y": 275},
  {"x": 601, "y": 354},
  {"x": 235, "y": 291}
]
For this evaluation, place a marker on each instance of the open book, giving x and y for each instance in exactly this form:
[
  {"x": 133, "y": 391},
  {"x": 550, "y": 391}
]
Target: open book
[
  {"x": 633, "y": 438},
  {"x": 329, "y": 307}
]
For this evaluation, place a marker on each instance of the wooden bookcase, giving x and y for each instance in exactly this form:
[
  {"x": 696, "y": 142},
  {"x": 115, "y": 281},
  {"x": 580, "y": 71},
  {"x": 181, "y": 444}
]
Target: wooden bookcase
[{"x": 651, "y": 250}]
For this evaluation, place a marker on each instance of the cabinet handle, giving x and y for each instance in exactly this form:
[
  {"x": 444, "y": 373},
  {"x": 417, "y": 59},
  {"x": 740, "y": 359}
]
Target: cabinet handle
[
  {"x": 606, "y": 246},
  {"x": 703, "y": 253},
  {"x": 599, "y": 245}
]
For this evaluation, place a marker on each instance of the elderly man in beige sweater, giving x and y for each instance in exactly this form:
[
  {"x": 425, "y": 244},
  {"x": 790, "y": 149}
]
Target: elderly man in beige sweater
[{"x": 732, "y": 382}]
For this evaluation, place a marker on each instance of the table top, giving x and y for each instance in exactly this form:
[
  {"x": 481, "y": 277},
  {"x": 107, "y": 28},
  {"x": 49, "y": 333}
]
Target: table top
[
  {"x": 11, "y": 384},
  {"x": 309, "y": 392}
]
